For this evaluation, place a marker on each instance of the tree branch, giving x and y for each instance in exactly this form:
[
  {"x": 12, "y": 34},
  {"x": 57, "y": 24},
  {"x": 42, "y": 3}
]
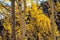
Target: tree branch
[{"x": 5, "y": 7}]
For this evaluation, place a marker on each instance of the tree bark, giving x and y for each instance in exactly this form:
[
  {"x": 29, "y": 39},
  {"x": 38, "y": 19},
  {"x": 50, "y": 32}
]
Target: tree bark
[
  {"x": 53, "y": 36},
  {"x": 13, "y": 19},
  {"x": 23, "y": 26},
  {"x": 22, "y": 18}
]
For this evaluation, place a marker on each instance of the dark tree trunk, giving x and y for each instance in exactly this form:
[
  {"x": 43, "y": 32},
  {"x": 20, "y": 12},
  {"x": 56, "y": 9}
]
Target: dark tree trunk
[{"x": 13, "y": 19}]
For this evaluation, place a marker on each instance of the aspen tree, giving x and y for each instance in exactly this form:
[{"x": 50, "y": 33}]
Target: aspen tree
[
  {"x": 22, "y": 18},
  {"x": 13, "y": 19},
  {"x": 52, "y": 19}
]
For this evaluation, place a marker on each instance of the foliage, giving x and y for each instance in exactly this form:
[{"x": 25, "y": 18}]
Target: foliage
[{"x": 37, "y": 22}]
